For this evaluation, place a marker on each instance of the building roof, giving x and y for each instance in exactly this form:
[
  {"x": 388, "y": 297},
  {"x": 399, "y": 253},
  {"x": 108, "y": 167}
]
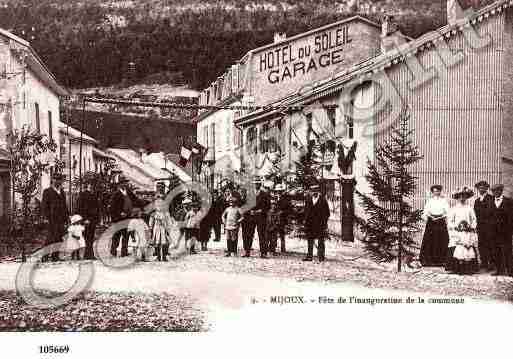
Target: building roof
[
  {"x": 75, "y": 134},
  {"x": 310, "y": 32},
  {"x": 236, "y": 97},
  {"x": 4, "y": 155},
  {"x": 368, "y": 68},
  {"x": 134, "y": 159},
  {"x": 100, "y": 153},
  {"x": 169, "y": 162},
  {"x": 19, "y": 47}
]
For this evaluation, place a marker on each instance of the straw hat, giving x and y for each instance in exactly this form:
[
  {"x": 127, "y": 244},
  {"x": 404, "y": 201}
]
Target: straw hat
[
  {"x": 463, "y": 192},
  {"x": 75, "y": 218}
]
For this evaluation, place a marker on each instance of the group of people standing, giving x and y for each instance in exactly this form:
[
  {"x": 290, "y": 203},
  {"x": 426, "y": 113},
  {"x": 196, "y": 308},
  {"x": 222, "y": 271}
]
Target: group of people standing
[
  {"x": 59, "y": 222},
  {"x": 468, "y": 238},
  {"x": 269, "y": 217}
]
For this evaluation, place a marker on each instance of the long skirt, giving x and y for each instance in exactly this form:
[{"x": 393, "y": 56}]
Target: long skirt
[{"x": 433, "y": 251}]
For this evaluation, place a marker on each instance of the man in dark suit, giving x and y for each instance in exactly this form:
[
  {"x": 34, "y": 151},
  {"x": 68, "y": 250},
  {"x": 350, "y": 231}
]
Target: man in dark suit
[
  {"x": 256, "y": 218},
  {"x": 501, "y": 229},
  {"x": 121, "y": 208},
  {"x": 285, "y": 209},
  {"x": 218, "y": 207},
  {"x": 483, "y": 206},
  {"x": 89, "y": 209},
  {"x": 55, "y": 211},
  {"x": 317, "y": 214}
]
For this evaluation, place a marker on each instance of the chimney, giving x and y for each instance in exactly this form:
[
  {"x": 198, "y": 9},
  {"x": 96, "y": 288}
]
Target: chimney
[
  {"x": 391, "y": 36},
  {"x": 142, "y": 154},
  {"x": 279, "y": 36},
  {"x": 454, "y": 11}
]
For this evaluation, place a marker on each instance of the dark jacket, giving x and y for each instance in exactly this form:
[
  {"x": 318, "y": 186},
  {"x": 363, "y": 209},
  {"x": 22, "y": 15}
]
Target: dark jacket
[
  {"x": 54, "y": 207},
  {"x": 316, "y": 218},
  {"x": 89, "y": 206},
  {"x": 262, "y": 205},
  {"x": 483, "y": 210},
  {"x": 284, "y": 207},
  {"x": 121, "y": 206},
  {"x": 501, "y": 223}
]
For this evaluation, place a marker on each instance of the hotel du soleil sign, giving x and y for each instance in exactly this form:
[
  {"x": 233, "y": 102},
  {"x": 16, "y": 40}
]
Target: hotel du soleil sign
[{"x": 298, "y": 58}]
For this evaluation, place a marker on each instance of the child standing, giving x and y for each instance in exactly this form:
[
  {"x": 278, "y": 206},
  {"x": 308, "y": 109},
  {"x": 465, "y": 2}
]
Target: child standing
[
  {"x": 462, "y": 225},
  {"x": 232, "y": 217},
  {"x": 141, "y": 234},
  {"x": 192, "y": 225},
  {"x": 273, "y": 226},
  {"x": 74, "y": 241}
]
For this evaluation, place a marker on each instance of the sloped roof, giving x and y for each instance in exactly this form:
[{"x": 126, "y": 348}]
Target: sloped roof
[
  {"x": 35, "y": 63},
  {"x": 170, "y": 162},
  {"x": 100, "y": 153},
  {"x": 75, "y": 134},
  {"x": 133, "y": 158}
]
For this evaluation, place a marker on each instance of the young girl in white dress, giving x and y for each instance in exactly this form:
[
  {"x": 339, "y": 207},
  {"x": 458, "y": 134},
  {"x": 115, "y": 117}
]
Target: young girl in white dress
[
  {"x": 462, "y": 225},
  {"x": 73, "y": 241}
]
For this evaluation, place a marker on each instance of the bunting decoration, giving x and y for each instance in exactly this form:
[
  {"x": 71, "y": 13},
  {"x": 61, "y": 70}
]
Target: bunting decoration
[
  {"x": 346, "y": 155},
  {"x": 185, "y": 155}
]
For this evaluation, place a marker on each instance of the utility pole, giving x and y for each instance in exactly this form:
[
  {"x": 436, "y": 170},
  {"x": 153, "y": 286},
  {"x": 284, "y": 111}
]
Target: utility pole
[{"x": 81, "y": 145}]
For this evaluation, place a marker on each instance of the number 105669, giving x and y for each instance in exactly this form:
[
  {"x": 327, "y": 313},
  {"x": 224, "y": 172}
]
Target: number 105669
[{"x": 53, "y": 349}]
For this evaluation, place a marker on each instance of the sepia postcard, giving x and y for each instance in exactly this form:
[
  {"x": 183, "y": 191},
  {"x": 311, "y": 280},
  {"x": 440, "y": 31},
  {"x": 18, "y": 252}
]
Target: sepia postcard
[{"x": 249, "y": 178}]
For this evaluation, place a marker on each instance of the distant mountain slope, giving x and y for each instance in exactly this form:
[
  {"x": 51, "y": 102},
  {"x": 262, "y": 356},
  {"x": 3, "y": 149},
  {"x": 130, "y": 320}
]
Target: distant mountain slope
[{"x": 90, "y": 43}]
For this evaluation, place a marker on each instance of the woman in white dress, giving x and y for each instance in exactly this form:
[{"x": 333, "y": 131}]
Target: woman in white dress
[
  {"x": 160, "y": 225},
  {"x": 433, "y": 251},
  {"x": 462, "y": 223}
]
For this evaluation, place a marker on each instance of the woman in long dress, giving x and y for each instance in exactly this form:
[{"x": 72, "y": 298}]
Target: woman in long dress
[
  {"x": 462, "y": 224},
  {"x": 160, "y": 225},
  {"x": 433, "y": 251}
]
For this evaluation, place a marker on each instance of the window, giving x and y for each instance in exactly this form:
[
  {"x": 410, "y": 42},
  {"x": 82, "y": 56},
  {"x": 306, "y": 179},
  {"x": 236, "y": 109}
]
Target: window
[
  {"x": 251, "y": 139},
  {"x": 308, "y": 127},
  {"x": 208, "y": 97},
  {"x": 74, "y": 165},
  {"x": 350, "y": 122},
  {"x": 50, "y": 125},
  {"x": 228, "y": 132},
  {"x": 237, "y": 140},
  {"x": 212, "y": 136},
  {"x": 332, "y": 118},
  {"x": 38, "y": 123},
  {"x": 264, "y": 138}
]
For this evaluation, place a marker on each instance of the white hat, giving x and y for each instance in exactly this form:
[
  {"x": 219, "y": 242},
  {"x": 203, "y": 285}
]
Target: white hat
[
  {"x": 280, "y": 187},
  {"x": 269, "y": 184},
  {"x": 75, "y": 218}
]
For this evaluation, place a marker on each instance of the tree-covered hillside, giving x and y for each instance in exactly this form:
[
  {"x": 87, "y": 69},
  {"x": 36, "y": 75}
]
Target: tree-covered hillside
[{"x": 91, "y": 42}]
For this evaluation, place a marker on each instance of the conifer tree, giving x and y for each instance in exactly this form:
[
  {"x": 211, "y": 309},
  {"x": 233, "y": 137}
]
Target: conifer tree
[{"x": 391, "y": 220}]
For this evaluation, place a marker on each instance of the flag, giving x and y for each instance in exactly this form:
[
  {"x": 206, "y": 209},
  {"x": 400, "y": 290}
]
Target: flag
[
  {"x": 185, "y": 156},
  {"x": 199, "y": 152}
]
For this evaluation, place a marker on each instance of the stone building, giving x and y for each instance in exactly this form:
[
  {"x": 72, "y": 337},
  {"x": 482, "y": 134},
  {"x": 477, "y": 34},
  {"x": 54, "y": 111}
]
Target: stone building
[
  {"x": 274, "y": 72},
  {"x": 456, "y": 83},
  {"x": 29, "y": 96}
]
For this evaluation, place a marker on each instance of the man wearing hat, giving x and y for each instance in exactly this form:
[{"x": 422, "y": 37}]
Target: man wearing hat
[
  {"x": 55, "y": 211},
  {"x": 120, "y": 209},
  {"x": 284, "y": 207},
  {"x": 256, "y": 218},
  {"x": 483, "y": 206},
  {"x": 89, "y": 209},
  {"x": 317, "y": 214},
  {"x": 501, "y": 230}
]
